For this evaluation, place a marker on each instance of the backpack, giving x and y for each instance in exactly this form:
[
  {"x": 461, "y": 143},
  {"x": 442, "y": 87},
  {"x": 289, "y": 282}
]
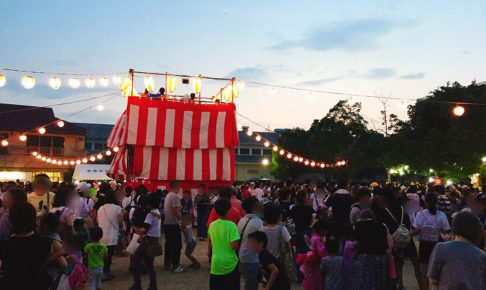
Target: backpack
[
  {"x": 401, "y": 236},
  {"x": 429, "y": 232},
  {"x": 79, "y": 275}
]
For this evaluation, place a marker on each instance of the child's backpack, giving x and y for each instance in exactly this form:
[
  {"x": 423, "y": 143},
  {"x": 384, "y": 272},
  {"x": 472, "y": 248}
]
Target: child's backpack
[
  {"x": 429, "y": 232},
  {"x": 401, "y": 236},
  {"x": 79, "y": 275}
]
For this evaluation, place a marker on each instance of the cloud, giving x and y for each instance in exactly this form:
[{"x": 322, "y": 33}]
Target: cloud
[
  {"x": 379, "y": 73},
  {"x": 352, "y": 35},
  {"x": 318, "y": 82},
  {"x": 415, "y": 76},
  {"x": 248, "y": 73}
]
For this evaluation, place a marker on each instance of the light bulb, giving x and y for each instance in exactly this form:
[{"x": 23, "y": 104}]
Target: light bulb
[
  {"x": 4, "y": 143},
  {"x": 275, "y": 148},
  {"x": 28, "y": 82},
  {"x": 74, "y": 83},
  {"x": 108, "y": 153},
  {"x": 104, "y": 82},
  {"x": 55, "y": 83},
  {"x": 258, "y": 138},
  {"x": 66, "y": 162},
  {"x": 43, "y": 158},
  {"x": 71, "y": 162},
  {"x": 48, "y": 160},
  {"x": 42, "y": 130},
  {"x": 59, "y": 162},
  {"x": 34, "y": 153},
  {"x": 100, "y": 107},
  {"x": 289, "y": 155},
  {"x": 313, "y": 164},
  {"x": 282, "y": 152},
  {"x": 323, "y": 165},
  {"x": 60, "y": 123},
  {"x": 85, "y": 160},
  {"x": 90, "y": 82},
  {"x": 115, "y": 149},
  {"x": 38, "y": 156},
  {"x": 99, "y": 156},
  {"x": 78, "y": 161},
  {"x": 23, "y": 138},
  {"x": 249, "y": 132},
  {"x": 296, "y": 158},
  {"x": 458, "y": 111},
  {"x": 92, "y": 158},
  {"x": 301, "y": 159},
  {"x": 266, "y": 144}
]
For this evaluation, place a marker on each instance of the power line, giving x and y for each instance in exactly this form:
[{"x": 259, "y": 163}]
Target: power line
[{"x": 58, "y": 73}]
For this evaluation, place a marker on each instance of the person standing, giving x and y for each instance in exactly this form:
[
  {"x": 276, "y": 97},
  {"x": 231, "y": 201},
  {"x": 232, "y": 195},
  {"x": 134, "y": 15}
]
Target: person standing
[
  {"x": 258, "y": 192},
  {"x": 41, "y": 198},
  {"x": 202, "y": 203},
  {"x": 364, "y": 202},
  {"x": 95, "y": 252},
  {"x": 172, "y": 228},
  {"x": 340, "y": 203}
]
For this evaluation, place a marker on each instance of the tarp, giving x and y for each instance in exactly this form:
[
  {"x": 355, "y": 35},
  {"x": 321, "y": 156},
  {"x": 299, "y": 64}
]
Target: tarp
[{"x": 91, "y": 172}]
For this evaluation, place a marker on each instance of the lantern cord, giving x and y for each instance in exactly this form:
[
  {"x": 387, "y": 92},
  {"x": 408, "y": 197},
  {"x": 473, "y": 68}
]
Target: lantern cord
[
  {"x": 57, "y": 73},
  {"x": 183, "y": 76}
]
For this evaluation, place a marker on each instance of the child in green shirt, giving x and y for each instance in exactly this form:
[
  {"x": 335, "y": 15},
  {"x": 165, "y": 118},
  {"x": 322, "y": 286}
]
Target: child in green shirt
[
  {"x": 222, "y": 243},
  {"x": 95, "y": 252}
]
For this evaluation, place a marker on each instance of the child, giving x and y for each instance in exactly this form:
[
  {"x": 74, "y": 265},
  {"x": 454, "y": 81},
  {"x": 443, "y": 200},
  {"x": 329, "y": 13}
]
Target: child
[
  {"x": 95, "y": 253},
  {"x": 49, "y": 223},
  {"x": 310, "y": 264},
  {"x": 75, "y": 276},
  {"x": 80, "y": 230},
  {"x": 332, "y": 266},
  {"x": 273, "y": 271},
  {"x": 349, "y": 250},
  {"x": 190, "y": 246},
  {"x": 186, "y": 203},
  {"x": 223, "y": 243}
]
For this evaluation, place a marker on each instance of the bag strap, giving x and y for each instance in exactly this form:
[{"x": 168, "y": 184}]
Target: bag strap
[
  {"x": 392, "y": 216},
  {"x": 403, "y": 213},
  {"x": 104, "y": 210},
  {"x": 244, "y": 228}
]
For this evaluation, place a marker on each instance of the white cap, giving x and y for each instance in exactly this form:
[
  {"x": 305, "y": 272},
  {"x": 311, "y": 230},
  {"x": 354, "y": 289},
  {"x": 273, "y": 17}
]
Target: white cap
[{"x": 82, "y": 186}]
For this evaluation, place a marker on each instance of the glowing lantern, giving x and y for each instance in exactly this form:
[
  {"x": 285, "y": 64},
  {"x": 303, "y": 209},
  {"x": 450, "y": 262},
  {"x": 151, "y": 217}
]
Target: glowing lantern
[
  {"x": 42, "y": 130},
  {"x": 258, "y": 138},
  {"x": 55, "y": 83},
  {"x": 236, "y": 91},
  {"x": 196, "y": 85},
  {"x": 171, "y": 84},
  {"x": 282, "y": 152},
  {"x": 289, "y": 155},
  {"x": 66, "y": 162},
  {"x": 34, "y": 153},
  {"x": 4, "y": 143},
  {"x": 104, "y": 82},
  {"x": 59, "y": 162},
  {"x": 92, "y": 158},
  {"x": 323, "y": 165},
  {"x": 99, "y": 156},
  {"x": 71, "y": 162},
  {"x": 60, "y": 123},
  {"x": 78, "y": 161},
  {"x": 313, "y": 164},
  {"x": 249, "y": 132},
  {"x": 227, "y": 94},
  {"x": 296, "y": 158},
  {"x": 116, "y": 149},
  {"x": 458, "y": 111},
  {"x": 90, "y": 82},
  {"x": 74, "y": 83},
  {"x": 85, "y": 160},
  {"x": 3, "y": 81},
  {"x": 38, "y": 156},
  {"x": 266, "y": 144},
  {"x": 306, "y": 162},
  {"x": 126, "y": 87},
  {"x": 108, "y": 153},
  {"x": 54, "y": 161},
  {"x": 149, "y": 83},
  {"x": 116, "y": 80},
  {"x": 275, "y": 148},
  {"x": 28, "y": 82},
  {"x": 23, "y": 138},
  {"x": 48, "y": 160},
  {"x": 43, "y": 158},
  {"x": 301, "y": 159}
]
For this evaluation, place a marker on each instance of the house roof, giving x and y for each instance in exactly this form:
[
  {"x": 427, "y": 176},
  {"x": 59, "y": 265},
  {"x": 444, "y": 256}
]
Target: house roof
[
  {"x": 27, "y": 118},
  {"x": 96, "y": 131}
]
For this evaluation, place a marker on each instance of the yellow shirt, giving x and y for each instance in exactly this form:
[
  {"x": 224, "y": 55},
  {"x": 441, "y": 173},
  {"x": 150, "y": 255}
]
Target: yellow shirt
[{"x": 35, "y": 199}]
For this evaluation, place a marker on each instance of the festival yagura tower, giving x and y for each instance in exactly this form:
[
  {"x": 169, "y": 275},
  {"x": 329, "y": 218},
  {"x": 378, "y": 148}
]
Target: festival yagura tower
[{"x": 160, "y": 140}]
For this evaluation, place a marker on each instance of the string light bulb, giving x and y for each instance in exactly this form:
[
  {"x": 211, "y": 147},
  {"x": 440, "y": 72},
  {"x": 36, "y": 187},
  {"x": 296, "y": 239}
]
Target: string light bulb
[
  {"x": 99, "y": 156},
  {"x": 60, "y": 123},
  {"x": 313, "y": 164},
  {"x": 4, "y": 143},
  {"x": 85, "y": 160},
  {"x": 92, "y": 158},
  {"x": 289, "y": 155},
  {"x": 282, "y": 152},
  {"x": 301, "y": 159},
  {"x": 149, "y": 83},
  {"x": 116, "y": 79},
  {"x": 66, "y": 162},
  {"x": 59, "y": 162},
  {"x": 104, "y": 82},
  {"x": 115, "y": 149},
  {"x": 458, "y": 111},
  {"x": 266, "y": 144},
  {"x": 275, "y": 148},
  {"x": 48, "y": 160},
  {"x": 42, "y": 130},
  {"x": 71, "y": 162},
  {"x": 74, "y": 83},
  {"x": 322, "y": 165},
  {"x": 38, "y": 156},
  {"x": 90, "y": 82},
  {"x": 296, "y": 158},
  {"x": 28, "y": 82},
  {"x": 306, "y": 162},
  {"x": 258, "y": 138},
  {"x": 55, "y": 83},
  {"x": 23, "y": 138},
  {"x": 100, "y": 107},
  {"x": 249, "y": 132},
  {"x": 108, "y": 153},
  {"x": 43, "y": 158},
  {"x": 78, "y": 161},
  {"x": 3, "y": 80},
  {"x": 35, "y": 153}
]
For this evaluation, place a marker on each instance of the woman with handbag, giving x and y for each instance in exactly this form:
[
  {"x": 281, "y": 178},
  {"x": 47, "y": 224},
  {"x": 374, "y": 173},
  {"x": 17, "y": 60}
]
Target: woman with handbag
[{"x": 149, "y": 245}]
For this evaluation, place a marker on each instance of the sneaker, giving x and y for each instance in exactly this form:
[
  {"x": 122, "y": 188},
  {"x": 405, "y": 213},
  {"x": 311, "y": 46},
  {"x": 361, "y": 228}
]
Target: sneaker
[{"x": 179, "y": 269}]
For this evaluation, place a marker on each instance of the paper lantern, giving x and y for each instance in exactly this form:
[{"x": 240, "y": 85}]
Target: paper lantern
[
  {"x": 42, "y": 130},
  {"x": 227, "y": 94},
  {"x": 55, "y": 83},
  {"x": 108, "y": 153},
  {"x": 171, "y": 84},
  {"x": 60, "y": 123},
  {"x": 149, "y": 83},
  {"x": 275, "y": 148},
  {"x": 104, "y": 82},
  {"x": 116, "y": 80},
  {"x": 100, "y": 107},
  {"x": 458, "y": 111},
  {"x": 4, "y": 143},
  {"x": 23, "y": 138},
  {"x": 266, "y": 144},
  {"x": 74, "y": 83},
  {"x": 3, "y": 81},
  {"x": 28, "y": 82},
  {"x": 196, "y": 85},
  {"x": 90, "y": 82},
  {"x": 115, "y": 149},
  {"x": 236, "y": 91},
  {"x": 85, "y": 160},
  {"x": 126, "y": 87}
]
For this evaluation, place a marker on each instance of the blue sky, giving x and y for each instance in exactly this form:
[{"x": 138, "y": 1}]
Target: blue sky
[{"x": 401, "y": 49}]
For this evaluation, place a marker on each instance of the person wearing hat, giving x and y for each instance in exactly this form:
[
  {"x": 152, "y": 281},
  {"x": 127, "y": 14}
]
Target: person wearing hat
[{"x": 42, "y": 197}]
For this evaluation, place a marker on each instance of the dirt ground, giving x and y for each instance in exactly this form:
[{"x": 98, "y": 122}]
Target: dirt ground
[{"x": 193, "y": 279}]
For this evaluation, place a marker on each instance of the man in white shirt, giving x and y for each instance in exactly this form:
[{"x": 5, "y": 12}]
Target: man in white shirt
[{"x": 172, "y": 228}]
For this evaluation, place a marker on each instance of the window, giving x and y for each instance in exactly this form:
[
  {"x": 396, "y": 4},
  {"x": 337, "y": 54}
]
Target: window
[
  {"x": 267, "y": 151},
  {"x": 3, "y": 149},
  {"x": 244, "y": 151},
  {"x": 99, "y": 146},
  {"x": 87, "y": 146},
  {"x": 46, "y": 145},
  {"x": 256, "y": 151}
]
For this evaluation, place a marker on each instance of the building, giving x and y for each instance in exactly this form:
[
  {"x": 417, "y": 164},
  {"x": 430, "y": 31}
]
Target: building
[
  {"x": 16, "y": 159},
  {"x": 96, "y": 135}
]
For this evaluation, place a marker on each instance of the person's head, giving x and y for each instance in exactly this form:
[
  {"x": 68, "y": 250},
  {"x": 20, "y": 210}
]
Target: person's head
[
  {"x": 41, "y": 184},
  {"x": 342, "y": 184},
  {"x": 272, "y": 215},
  {"x": 13, "y": 196},
  {"x": 431, "y": 202},
  {"x": 153, "y": 201},
  {"x": 468, "y": 226},
  {"x": 364, "y": 197},
  {"x": 250, "y": 205},
  {"x": 142, "y": 200},
  {"x": 321, "y": 227},
  {"x": 49, "y": 224},
  {"x": 63, "y": 197},
  {"x": 201, "y": 188},
  {"x": 186, "y": 194},
  {"x": 175, "y": 186},
  {"x": 252, "y": 185},
  {"x": 96, "y": 233},
  {"x": 110, "y": 197},
  {"x": 225, "y": 192},
  {"x": 301, "y": 198},
  {"x": 128, "y": 191},
  {"x": 468, "y": 197},
  {"x": 439, "y": 190},
  {"x": 78, "y": 225},
  {"x": 73, "y": 244},
  {"x": 257, "y": 241},
  {"x": 222, "y": 207},
  {"x": 22, "y": 217},
  {"x": 332, "y": 247}
]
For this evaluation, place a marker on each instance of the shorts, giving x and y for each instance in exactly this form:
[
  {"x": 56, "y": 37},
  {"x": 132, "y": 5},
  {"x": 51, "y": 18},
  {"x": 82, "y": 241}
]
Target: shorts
[
  {"x": 190, "y": 247},
  {"x": 95, "y": 278},
  {"x": 425, "y": 250}
]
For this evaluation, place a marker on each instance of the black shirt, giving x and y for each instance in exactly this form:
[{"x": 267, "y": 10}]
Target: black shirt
[
  {"x": 282, "y": 281},
  {"x": 371, "y": 237},
  {"x": 302, "y": 215},
  {"x": 383, "y": 216},
  {"x": 341, "y": 208}
]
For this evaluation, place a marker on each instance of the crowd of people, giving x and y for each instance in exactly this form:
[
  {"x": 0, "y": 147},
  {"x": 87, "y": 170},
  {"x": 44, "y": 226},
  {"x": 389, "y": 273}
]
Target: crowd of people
[{"x": 322, "y": 235}]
